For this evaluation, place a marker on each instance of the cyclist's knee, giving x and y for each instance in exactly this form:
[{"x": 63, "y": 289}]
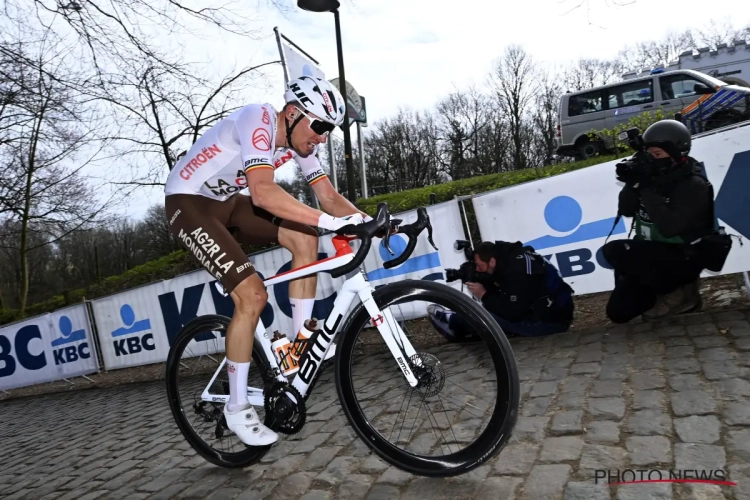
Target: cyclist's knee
[
  {"x": 250, "y": 296},
  {"x": 303, "y": 243}
]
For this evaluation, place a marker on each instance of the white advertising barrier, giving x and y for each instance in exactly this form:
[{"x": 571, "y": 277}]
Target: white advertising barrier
[
  {"x": 136, "y": 327},
  {"x": 46, "y": 348},
  {"x": 568, "y": 217}
]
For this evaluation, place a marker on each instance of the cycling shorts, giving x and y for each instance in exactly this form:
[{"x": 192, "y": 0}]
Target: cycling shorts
[{"x": 213, "y": 231}]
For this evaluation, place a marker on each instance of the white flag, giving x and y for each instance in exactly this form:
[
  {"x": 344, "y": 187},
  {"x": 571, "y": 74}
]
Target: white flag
[{"x": 298, "y": 65}]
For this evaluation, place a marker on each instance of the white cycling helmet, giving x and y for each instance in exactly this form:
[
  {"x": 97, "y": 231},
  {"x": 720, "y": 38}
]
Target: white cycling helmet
[{"x": 317, "y": 96}]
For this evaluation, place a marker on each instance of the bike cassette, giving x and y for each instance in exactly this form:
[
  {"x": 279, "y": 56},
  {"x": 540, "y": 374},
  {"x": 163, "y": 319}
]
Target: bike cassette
[{"x": 285, "y": 408}]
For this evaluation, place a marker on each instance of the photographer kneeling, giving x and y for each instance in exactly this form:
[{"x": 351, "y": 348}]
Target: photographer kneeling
[
  {"x": 657, "y": 273},
  {"x": 523, "y": 291}
]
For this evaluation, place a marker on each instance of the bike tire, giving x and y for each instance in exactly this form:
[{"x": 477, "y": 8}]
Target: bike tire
[
  {"x": 210, "y": 322},
  {"x": 503, "y": 419}
]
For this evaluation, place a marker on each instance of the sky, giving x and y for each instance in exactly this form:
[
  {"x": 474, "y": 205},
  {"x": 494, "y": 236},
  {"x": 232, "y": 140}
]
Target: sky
[{"x": 400, "y": 54}]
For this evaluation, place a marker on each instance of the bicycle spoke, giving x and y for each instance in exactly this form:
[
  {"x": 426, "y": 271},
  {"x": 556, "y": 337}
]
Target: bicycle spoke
[
  {"x": 451, "y": 407},
  {"x": 399, "y": 413}
]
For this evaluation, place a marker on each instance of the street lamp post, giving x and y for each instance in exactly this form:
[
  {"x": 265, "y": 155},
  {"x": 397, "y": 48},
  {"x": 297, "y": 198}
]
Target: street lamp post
[{"x": 333, "y": 6}]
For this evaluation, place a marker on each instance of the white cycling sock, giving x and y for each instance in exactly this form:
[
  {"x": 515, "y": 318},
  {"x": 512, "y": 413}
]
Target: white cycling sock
[
  {"x": 301, "y": 310},
  {"x": 237, "y": 384}
]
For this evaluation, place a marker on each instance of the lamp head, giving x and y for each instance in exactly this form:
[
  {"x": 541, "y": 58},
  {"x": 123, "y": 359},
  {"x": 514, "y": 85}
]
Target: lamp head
[{"x": 318, "y": 5}]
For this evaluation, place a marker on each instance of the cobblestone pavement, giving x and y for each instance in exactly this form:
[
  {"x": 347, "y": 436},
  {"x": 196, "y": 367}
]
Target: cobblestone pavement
[{"x": 639, "y": 397}]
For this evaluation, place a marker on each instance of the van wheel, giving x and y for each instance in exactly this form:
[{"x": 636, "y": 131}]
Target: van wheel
[{"x": 588, "y": 149}]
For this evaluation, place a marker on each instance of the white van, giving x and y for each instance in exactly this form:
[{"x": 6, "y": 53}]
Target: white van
[{"x": 703, "y": 103}]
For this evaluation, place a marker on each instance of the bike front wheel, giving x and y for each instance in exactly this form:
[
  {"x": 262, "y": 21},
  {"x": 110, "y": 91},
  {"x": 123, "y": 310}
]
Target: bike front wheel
[{"x": 466, "y": 402}]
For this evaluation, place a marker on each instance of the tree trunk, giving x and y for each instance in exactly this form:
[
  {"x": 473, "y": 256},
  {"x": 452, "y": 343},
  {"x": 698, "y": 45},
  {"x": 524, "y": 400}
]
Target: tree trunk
[
  {"x": 30, "y": 165},
  {"x": 24, "y": 292}
]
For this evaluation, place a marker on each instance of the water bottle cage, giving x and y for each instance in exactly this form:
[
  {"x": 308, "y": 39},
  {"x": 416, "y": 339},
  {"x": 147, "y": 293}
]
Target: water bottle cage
[
  {"x": 285, "y": 361},
  {"x": 299, "y": 346}
]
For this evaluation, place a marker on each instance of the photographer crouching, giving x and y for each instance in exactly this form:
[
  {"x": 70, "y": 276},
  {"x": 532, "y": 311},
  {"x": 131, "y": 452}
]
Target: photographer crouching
[
  {"x": 671, "y": 203},
  {"x": 523, "y": 291}
]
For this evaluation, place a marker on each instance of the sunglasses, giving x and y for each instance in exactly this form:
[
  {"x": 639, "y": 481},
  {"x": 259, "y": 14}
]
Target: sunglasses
[{"x": 317, "y": 125}]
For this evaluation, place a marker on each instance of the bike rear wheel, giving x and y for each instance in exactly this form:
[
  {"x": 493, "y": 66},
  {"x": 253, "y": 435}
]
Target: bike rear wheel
[
  {"x": 456, "y": 382},
  {"x": 194, "y": 358}
]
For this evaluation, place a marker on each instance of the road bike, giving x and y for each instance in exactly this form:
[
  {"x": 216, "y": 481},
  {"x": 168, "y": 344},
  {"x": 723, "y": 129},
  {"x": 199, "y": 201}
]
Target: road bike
[{"x": 378, "y": 369}]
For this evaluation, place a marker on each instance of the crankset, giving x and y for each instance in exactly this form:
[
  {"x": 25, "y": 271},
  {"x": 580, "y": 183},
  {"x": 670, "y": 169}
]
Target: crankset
[{"x": 285, "y": 408}]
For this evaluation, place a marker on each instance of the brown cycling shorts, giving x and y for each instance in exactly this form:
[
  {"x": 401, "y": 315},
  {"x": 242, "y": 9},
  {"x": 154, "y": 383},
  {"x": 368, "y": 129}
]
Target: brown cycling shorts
[{"x": 213, "y": 230}]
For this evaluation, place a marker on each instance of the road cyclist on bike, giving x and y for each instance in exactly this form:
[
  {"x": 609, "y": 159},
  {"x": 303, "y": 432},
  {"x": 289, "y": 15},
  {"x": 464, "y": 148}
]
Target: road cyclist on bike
[{"x": 211, "y": 217}]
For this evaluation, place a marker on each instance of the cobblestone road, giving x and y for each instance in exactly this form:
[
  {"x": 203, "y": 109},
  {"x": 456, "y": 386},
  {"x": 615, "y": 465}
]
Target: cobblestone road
[{"x": 639, "y": 397}]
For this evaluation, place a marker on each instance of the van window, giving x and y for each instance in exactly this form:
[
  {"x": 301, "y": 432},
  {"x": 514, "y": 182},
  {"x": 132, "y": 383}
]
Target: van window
[
  {"x": 676, "y": 86},
  {"x": 631, "y": 94},
  {"x": 589, "y": 102}
]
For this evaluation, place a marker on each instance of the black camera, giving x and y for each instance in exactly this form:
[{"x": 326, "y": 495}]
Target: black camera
[
  {"x": 466, "y": 247},
  {"x": 466, "y": 272},
  {"x": 634, "y": 139},
  {"x": 636, "y": 164}
]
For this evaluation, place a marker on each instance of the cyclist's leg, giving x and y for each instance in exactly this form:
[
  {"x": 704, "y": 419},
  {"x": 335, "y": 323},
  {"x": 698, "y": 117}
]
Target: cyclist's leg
[
  {"x": 301, "y": 240},
  {"x": 200, "y": 224}
]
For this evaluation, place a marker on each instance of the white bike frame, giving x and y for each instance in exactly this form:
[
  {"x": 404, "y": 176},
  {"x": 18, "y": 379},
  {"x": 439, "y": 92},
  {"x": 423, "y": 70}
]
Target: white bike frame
[{"x": 356, "y": 285}]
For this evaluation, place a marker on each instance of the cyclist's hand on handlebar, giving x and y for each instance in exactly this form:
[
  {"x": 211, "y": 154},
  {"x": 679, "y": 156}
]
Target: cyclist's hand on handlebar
[{"x": 335, "y": 223}]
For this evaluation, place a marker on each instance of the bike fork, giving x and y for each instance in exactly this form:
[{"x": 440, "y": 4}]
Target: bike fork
[{"x": 389, "y": 329}]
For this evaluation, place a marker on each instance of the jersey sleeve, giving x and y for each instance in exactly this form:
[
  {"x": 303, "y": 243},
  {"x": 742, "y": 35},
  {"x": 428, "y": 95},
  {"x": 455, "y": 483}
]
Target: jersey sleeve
[
  {"x": 255, "y": 131},
  {"x": 311, "y": 168}
]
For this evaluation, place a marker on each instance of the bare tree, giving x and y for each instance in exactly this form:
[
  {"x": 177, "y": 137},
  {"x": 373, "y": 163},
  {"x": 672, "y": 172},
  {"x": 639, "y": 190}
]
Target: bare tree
[
  {"x": 43, "y": 189},
  {"x": 544, "y": 116},
  {"x": 587, "y": 6},
  {"x": 494, "y": 153},
  {"x": 155, "y": 236},
  {"x": 108, "y": 32},
  {"x": 719, "y": 32},
  {"x": 38, "y": 259},
  {"x": 402, "y": 152},
  {"x": 514, "y": 85},
  {"x": 161, "y": 111},
  {"x": 647, "y": 55},
  {"x": 462, "y": 118},
  {"x": 588, "y": 73}
]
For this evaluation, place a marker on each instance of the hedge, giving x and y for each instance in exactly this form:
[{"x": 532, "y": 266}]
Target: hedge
[
  {"x": 409, "y": 200},
  {"x": 180, "y": 262}
]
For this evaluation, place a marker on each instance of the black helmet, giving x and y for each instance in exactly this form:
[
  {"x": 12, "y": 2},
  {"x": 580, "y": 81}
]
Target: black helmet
[{"x": 670, "y": 135}]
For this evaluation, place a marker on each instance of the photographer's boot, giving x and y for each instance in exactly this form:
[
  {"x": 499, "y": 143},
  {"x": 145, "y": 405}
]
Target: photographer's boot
[
  {"x": 439, "y": 318},
  {"x": 684, "y": 299}
]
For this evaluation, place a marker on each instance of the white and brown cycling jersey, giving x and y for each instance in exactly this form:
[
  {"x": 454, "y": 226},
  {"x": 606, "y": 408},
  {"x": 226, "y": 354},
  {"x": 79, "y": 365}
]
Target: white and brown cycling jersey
[{"x": 215, "y": 165}]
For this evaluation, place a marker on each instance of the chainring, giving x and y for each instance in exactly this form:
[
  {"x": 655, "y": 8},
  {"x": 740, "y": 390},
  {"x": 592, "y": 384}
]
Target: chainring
[{"x": 294, "y": 422}]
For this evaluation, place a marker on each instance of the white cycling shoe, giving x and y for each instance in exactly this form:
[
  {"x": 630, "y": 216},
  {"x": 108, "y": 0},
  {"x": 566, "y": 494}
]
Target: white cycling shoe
[{"x": 248, "y": 427}]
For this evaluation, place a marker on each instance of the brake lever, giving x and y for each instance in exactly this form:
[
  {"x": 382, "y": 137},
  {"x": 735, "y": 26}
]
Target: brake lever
[
  {"x": 423, "y": 211},
  {"x": 387, "y": 240}
]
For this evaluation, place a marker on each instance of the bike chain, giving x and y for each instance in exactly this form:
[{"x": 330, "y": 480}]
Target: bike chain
[{"x": 293, "y": 424}]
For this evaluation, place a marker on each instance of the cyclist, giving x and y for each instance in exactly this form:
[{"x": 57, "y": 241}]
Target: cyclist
[{"x": 211, "y": 217}]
